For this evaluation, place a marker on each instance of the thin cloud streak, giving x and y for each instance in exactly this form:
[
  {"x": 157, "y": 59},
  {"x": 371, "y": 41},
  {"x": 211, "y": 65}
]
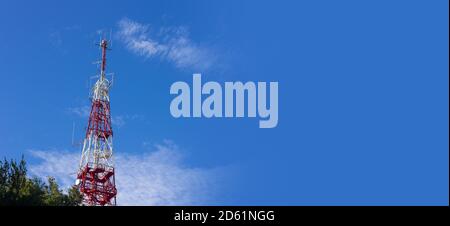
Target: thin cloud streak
[
  {"x": 82, "y": 111},
  {"x": 117, "y": 120}
]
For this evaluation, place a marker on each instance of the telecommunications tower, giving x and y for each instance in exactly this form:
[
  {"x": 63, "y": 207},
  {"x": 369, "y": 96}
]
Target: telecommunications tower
[{"x": 95, "y": 178}]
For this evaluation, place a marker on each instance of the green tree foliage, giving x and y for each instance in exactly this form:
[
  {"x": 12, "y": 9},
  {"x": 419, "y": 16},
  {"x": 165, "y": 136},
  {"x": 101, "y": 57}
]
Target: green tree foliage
[{"x": 17, "y": 189}]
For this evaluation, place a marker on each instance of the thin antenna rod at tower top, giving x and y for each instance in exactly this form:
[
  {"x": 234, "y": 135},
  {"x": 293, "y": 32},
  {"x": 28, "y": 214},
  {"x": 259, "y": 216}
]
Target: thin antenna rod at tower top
[
  {"x": 73, "y": 132},
  {"x": 104, "y": 46}
]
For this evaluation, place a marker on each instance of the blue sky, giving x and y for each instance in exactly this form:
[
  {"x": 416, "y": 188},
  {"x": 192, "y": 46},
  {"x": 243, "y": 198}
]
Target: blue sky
[{"x": 363, "y": 97}]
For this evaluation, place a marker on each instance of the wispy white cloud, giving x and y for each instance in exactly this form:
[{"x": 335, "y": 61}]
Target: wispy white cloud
[
  {"x": 82, "y": 111},
  {"x": 169, "y": 43},
  {"x": 118, "y": 121},
  {"x": 121, "y": 120},
  {"x": 58, "y": 38},
  {"x": 55, "y": 39},
  {"x": 59, "y": 164},
  {"x": 156, "y": 177}
]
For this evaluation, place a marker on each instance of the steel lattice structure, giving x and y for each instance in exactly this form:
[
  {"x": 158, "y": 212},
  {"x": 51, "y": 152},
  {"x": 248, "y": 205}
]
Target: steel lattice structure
[{"x": 96, "y": 176}]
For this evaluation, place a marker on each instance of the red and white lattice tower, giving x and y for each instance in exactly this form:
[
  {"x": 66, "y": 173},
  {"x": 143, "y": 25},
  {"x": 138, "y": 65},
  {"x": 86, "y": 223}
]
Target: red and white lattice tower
[{"x": 95, "y": 178}]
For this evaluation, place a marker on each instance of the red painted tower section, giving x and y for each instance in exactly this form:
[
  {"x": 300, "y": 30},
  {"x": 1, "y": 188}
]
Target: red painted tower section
[{"x": 96, "y": 176}]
